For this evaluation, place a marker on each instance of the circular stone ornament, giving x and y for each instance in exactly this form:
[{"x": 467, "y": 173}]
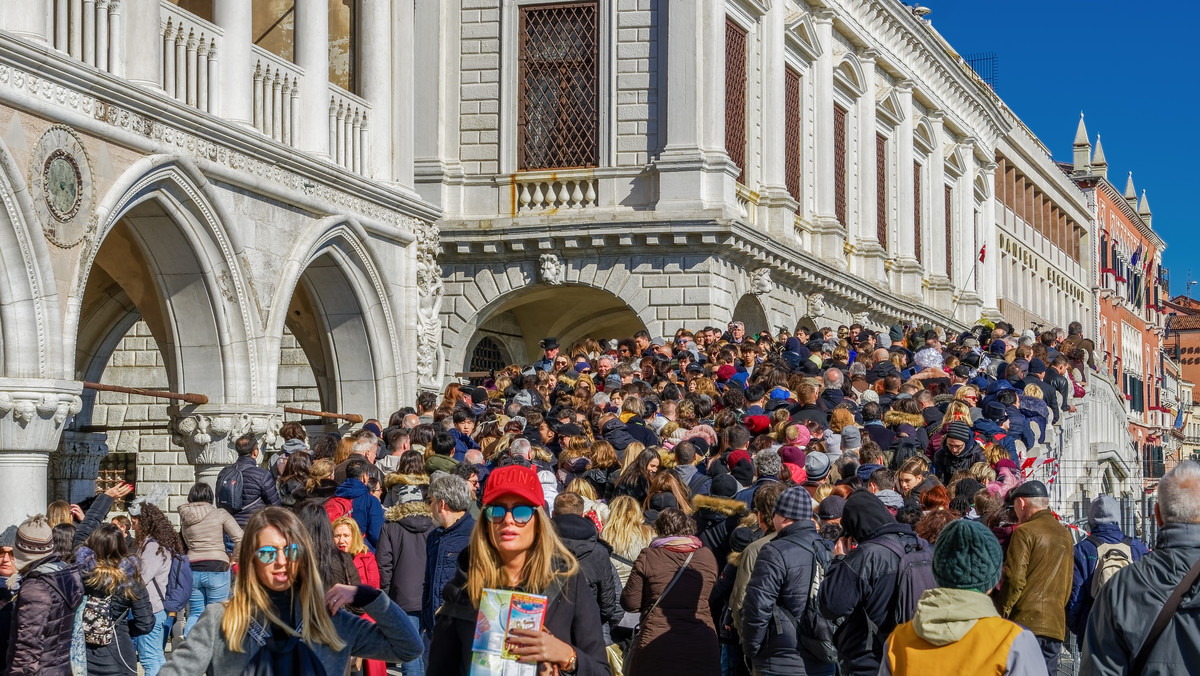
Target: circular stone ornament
[{"x": 61, "y": 186}]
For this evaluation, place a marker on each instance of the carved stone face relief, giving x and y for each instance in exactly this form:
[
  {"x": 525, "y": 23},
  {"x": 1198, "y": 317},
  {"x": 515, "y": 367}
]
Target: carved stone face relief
[
  {"x": 61, "y": 185},
  {"x": 551, "y": 268}
]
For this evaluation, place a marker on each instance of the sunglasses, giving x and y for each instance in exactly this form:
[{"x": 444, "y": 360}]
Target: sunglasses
[
  {"x": 268, "y": 554},
  {"x": 520, "y": 513}
]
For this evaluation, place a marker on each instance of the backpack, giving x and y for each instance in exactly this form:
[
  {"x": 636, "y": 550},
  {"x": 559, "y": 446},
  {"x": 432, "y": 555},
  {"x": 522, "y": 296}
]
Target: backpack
[
  {"x": 814, "y": 631},
  {"x": 337, "y": 507},
  {"x": 913, "y": 578},
  {"x": 97, "y": 623},
  {"x": 179, "y": 585},
  {"x": 229, "y": 489},
  {"x": 1109, "y": 559}
]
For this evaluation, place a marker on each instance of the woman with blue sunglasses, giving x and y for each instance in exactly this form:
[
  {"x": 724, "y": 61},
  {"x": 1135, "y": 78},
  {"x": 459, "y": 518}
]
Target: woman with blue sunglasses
[
  {"x": 514, "y": 546},
  {"x": 281, "y": 620}
]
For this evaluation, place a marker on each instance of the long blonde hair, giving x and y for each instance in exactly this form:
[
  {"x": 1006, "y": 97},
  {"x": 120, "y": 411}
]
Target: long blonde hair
[
  {"x": 250, "y": 601},
  {"x": 631, "y": 453},
  {"x": 543, "y": 562},
  {"x": 626, "y": 528},
  {"x": 357, "y": 546}
]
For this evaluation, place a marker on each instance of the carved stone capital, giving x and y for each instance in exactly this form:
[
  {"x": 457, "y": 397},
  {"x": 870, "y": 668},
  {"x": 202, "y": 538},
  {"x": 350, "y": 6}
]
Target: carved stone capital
[
  {"x": 207, "y": 433},
  {"x": 75, "y": 466},
  {"x": 33, "y": 411}
]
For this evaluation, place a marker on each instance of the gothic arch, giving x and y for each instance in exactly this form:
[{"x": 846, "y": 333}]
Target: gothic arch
[
  {"x": 750, "y": 311},
  {"x": 28, "y": 293},
  {"x": 357, "y": 349},
  {"x": 166, "y": 208}
]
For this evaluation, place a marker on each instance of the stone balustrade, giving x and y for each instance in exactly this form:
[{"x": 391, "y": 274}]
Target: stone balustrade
[
  {"x": 276, "y": 96},
  {"x": 90, "y": 31},
  {"x": 547, "y": 191},
  {"x": 348, "y": 137},
  {"x": 190, "y": 47}
]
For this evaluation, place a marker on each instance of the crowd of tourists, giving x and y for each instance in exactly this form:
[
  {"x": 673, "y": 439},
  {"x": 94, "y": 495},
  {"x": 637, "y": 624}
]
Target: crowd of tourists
[{"x": 844, "y": 501}]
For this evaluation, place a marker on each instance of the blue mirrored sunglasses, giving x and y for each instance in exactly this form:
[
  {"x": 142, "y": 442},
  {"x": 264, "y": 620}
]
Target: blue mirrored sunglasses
[
  {"x": 520, "y": 513},
  {"x": 291, "y": 552}
]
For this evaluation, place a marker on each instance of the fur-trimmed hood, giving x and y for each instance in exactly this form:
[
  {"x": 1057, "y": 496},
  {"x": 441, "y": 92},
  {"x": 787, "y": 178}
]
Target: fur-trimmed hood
[
  {"x": 896, "y": 418},
  {"x": 399, "y": 512},
  {"x": 405, "y": 480},
  {"x": 723, "y": 506}
]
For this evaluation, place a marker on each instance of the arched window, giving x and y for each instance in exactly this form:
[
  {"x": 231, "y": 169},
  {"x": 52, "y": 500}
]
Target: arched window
[{"x": 487, "y": 356}]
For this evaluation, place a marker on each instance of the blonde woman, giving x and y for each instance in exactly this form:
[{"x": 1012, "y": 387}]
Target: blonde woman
[
  {"x": 348, "y": 538},
  {"x": 320, "y": 484},
  {"x": 631, "y": 453},
  {"x": 627, "y": 533},
  {"x": 514, "y": 546},
  {"x": 1035, "y": 410},
  {"x": 592, "y": 508},
  {"x": 281, "y": 620},
  {"x": 958, "y": 410}
]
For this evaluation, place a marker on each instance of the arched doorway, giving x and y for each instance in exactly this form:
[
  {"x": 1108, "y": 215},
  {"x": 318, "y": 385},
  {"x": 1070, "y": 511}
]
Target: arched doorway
[
  {"x": 750, "y": 312},
  {"x": 517, "y": 321}
]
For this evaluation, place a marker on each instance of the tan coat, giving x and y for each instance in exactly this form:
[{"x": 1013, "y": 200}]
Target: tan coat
[
  {"x": 1038, "y": 572},
  {"x": 679, "y": 637}
]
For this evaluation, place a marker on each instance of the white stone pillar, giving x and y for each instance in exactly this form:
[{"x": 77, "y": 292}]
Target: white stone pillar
[
  {"x": 776, "y": 205},
  {"x": 990, "y": 269},
  {"x": 822, "y": 72},
  {"x": 32, "y": 414},
  {"x": 693, "y": 166},
  {"x": 867, "y": 252},
  {"x": 236, "y": 88},
  {"x": 142, "y": 34},
  {"x": 76, "y": 465},
  {"x": 26, "y": 19},
  {"x": 312, "y": 54},
  {"x": 375, "y": 58},
  {"x": 938, "y": 274},
  {"x": 435, "y": 53},
  {"x": 208, "y": 433},
  {"x": 906, "y": 271},
  {"x": 403, "y": 141}
]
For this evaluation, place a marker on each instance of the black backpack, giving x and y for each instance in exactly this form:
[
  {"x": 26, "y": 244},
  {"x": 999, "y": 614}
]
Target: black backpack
[
  {"x": 913, "y": 578},
  {"x": 815, "y": 632},
  {"x": 229, "y": 489}
]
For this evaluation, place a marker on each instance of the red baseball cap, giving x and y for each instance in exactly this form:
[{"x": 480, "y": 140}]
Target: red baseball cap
[{"x": 514, "y": 481}]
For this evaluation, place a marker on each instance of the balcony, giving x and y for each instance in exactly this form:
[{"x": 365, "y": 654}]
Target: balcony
[
  {"x": 276, "y": 96},
  {"x": 190, "y": 47}
]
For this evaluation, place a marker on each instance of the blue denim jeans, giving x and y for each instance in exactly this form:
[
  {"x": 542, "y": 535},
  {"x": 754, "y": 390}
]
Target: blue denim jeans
[
  {"x": 414, "y": 667},
  {"x": 207, "y": 588},
  {"x": 150, "y": 646}
]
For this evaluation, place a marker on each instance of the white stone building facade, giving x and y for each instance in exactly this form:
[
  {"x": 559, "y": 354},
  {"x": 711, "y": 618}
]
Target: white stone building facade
[{"x": 190, "y": 211}]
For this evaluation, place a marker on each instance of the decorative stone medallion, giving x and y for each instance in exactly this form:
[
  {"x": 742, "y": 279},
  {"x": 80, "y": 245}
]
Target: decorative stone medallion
[{"x": 61, "y": 186}]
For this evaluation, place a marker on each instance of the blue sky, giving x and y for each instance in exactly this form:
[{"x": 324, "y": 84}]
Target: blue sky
[{"x": 1128, "y": 67}]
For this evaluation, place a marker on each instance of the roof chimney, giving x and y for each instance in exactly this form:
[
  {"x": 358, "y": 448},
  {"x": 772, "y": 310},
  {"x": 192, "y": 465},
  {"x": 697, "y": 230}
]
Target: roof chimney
[{"x": 1083, "y": 150}]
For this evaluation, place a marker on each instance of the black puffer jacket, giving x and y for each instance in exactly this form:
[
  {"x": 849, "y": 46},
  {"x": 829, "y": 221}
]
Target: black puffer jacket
[
  {"x": 945, "y": 463},
  {"x": 782, "y": 576},
  {"x": 580, "y": 536},
  {"x": 615, "y": 433},
  {"x": 401, "y": 553},
  {"x": 640, "y": 431},
  {"x": 861, "y": 586},
  {"x": 43, "y": 617},
  {"x": 716, "y": 518},
  {"x": 258, "y": 490},
  {"x": 119, "y": 657}
]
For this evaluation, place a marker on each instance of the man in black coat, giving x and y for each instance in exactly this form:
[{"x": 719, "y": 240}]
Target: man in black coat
[
  {"x": 258, "y": 486},
  {"x": 580, "y": 536},
  {"x": 782, "y": 577},
  {"x": 959, "y": 451},
  {"x": 861, "y": 585}
]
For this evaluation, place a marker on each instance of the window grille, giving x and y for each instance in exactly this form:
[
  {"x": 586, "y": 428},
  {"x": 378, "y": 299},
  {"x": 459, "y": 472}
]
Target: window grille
[
  {"x": 791, "y": 134},
  {"x": 735, "y": 95},
  {"x": 881, "y": 187},
  {"x": 949, "y": 235},
  {"x": 487, "y": 356},
  {"x": 559, "y": 111},
  {"x": 917, "y": 244},
  {"x": 839, "y": 164}
]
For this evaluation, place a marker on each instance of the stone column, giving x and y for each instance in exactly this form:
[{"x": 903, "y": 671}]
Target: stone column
[
  {"x": 435, "y": 52},
  {"x": 693, "y": 166},
  {"x": 143, "y": 35},
  {"x": 776, "y": 206},
  {"x": 32, "y": 414},
  {"x": 236, "y": 89},
  {"x": 906, "y": 271},
  {"x": 26, "y": 19},
  {"x": 312, "y": 54},
  {"x": 75, "y": 467},
  {"x": 374, "y": 77},
  {"x": 207, "y": 433},
  {"x": 939, "y": 275},
  {"x": 989, "y": 270},
  {"x": 829, "y": 236},
  {"x": 867, "y": 252}
]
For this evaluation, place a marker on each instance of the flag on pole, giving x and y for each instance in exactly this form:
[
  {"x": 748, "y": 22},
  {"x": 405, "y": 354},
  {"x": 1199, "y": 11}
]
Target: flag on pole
[
  {"x": 982, "y": 253},
  {"x": 1136, "y": 255}
]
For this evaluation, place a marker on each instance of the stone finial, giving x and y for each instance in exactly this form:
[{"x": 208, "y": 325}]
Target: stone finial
[
  {"x": 1144, "y": 208},
  {"x": 1099, "y": 164},
  {"x": 551, "y": 269},
  {"x": 1083, "y": 149},
  {"x": 1130, "y": 192}
]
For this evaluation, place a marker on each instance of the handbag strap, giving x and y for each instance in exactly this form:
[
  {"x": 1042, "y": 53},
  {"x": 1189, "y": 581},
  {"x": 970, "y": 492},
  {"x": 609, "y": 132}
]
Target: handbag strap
[
  {"x": 678, "y": 574},
  {"x": 1164, "y": 618}
]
